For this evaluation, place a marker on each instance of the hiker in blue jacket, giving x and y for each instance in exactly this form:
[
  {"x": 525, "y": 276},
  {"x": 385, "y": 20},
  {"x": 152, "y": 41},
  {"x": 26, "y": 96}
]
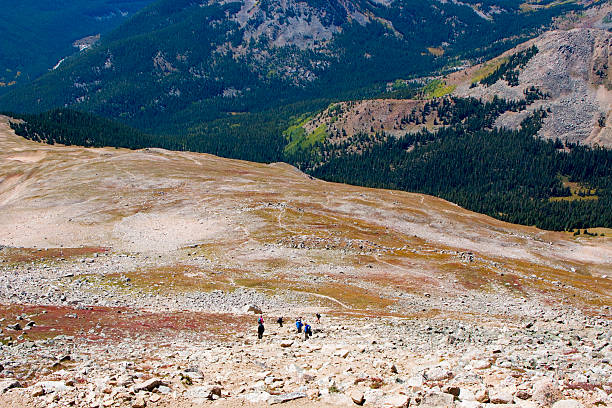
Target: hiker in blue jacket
[
  {"x": 307, "y": 331},
  {"x": 298, "y": 324}
]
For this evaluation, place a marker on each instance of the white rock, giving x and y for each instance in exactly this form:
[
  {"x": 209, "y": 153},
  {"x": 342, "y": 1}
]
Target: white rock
[
  {"x": 257, "y": 397},
  {"x": 466, "y": 395},
  {"x": 568, "y": 403},
  {"x": 396, "y": 401},
  {"x": 50, "y": 387},
  {"x": 437, "y": 374}
]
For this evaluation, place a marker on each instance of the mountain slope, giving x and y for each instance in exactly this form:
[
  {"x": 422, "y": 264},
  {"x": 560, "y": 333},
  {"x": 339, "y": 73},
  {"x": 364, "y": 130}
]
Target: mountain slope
[
  {"x": 179, "y": 63},
  {"x": 571, "y": 69},
  {"x": 125, "y": 268},
  {"x": 574, "y": 68},
  {"x": 35, "y": 35}
]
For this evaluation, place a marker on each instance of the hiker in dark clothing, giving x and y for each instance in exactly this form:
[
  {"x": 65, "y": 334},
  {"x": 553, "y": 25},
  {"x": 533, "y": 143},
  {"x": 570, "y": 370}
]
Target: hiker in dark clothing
[
  {"x": 280, "y": 321},
  {"x": 318, "y": 317},
  {"x": 307, "y": 331},
  {"x": 298, "y": 324},
  {"x": 260, "y": 330}
]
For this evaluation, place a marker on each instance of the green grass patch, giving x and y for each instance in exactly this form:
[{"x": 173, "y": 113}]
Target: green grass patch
[
  {"x": 437, "y": 88},
  {"x": 487, "y": 69},
  {"x": 301, "y": 141}
]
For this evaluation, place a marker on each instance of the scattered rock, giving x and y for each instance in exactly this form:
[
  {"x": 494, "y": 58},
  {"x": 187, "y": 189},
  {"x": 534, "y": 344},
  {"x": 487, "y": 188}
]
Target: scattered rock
[
  {"x": 396, "y": 401},
  {"x": 139, "y": 402},
  {"x": 279, "y": 399},
  {"x": 482, "y": 395},
  {"x": 437, "y": 400},
  {"x": 437, "y": 374},
  {"x": 357, "y": 397},
  {"x": 148, "y": 385},
  {"x": 251, "y": 309},
  {"x": 545, "y": 392},
  {"x": 500, "y": 396},
  {"x": 8, "y": 384}
]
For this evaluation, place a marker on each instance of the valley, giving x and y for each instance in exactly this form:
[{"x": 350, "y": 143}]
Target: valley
[
  {"x": 426, "y": 185},
  {"x": 138, "y": 270}
]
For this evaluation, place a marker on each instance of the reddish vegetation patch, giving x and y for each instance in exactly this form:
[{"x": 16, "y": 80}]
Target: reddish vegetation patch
[
  {"x": 102, "y": 323},
  {"x": 15, "y": 255}
]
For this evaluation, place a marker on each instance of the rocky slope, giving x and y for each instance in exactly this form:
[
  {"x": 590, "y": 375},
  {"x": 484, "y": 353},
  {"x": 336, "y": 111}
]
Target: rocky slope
[
  {"x": 571, "y": 67},
  {"x": 574, "y": 68},
  {"x": 131, "y": 278}
]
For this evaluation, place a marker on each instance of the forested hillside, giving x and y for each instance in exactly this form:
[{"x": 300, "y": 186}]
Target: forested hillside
[
  {"x": 180, "y": 67},
  {"x": 36, "y": 34},
  {"x": 508, "y": 174}
]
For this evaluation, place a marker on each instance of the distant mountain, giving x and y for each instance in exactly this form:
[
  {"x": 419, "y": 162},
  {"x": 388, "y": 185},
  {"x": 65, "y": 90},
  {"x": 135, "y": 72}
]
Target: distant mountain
[
  {"x": 181, "y": 64},
  {"x": 566, "y": 72},
  {"x": 35, "y": 34}
]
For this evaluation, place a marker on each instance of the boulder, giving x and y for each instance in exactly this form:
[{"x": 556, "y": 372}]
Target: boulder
[
  {"x": 437, "y": 374},
  {"x": 500, "y": 396},
  {"x": 257, "y": 397},
  {"x": 466, "y": 395},
  {"x": 15, "y": 326},
  {"x": 545, "y": 392},
  {"x": 251, "y": 309},
  {"x": 204, "y": 392},
  {"x": 148, "y": 385},
  {"x": 37, "y": 391},
  {"x": 139, "y": 402},
  {"x": 396, "y": 401},
  {"x": 286, "y": 343},
  {"x": 437, "y": 400},
  {"x": 357, "y": 397},
  {"x": 279, "y": 399},
  {"x": 453, "y": 390},
  {"x": 482, "y": 395},
  {"x": 50, "y": 387},
  {"x": 481, "y": 364}
]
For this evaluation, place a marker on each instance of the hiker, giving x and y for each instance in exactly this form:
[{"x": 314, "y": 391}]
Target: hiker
[
  {"x": 298, "y": 324},
  {"x": 318, "y": 317},
  {"x": 260, "y": 330},
  {"x": 280, "y": 321},
  {"x": 260, "y": 319},
  {"x": 307, "y": 331}
]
